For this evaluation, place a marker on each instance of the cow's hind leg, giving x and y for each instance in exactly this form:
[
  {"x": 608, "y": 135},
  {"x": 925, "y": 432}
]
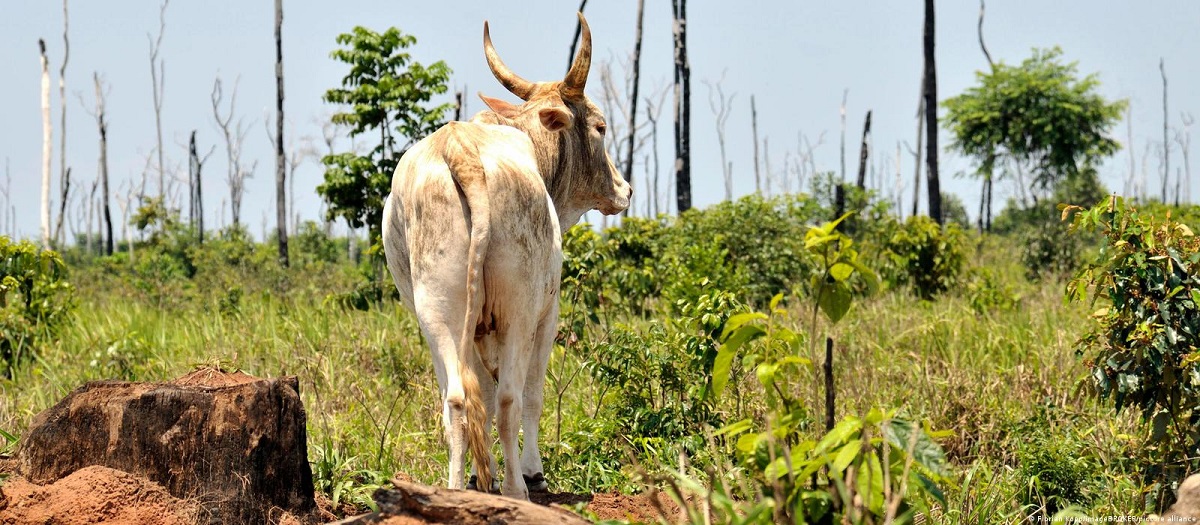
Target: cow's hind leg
[
  {"x": 487, "y": 388},
  {"x": 441, "y": 328},
  {"x": 514, "y": 368},
  {"x": 531, "y": 456}
]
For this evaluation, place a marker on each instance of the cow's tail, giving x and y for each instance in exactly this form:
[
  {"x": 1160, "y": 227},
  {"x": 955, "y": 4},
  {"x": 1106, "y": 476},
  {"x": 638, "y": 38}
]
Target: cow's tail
[{"x": 462, "y": 157}]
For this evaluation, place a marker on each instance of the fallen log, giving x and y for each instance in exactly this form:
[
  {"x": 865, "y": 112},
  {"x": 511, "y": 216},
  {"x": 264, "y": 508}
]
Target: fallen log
[{"x": 409, "y": 503}]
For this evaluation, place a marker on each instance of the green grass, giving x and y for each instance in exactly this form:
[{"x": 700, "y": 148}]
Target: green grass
[{"x": 996, "y": 379}]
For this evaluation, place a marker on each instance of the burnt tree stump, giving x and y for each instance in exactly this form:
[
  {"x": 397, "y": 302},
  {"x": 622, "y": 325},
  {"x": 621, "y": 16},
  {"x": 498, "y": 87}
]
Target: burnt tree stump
[
  {"x": 410, "y": 503},
  {"x": 234, "y": 443}
]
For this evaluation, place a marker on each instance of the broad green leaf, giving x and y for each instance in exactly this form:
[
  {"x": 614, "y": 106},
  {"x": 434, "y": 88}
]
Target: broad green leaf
[
  {"x": 720, "y": 370},
  {"x": 841, "y": 271},
  {"x": 738, "y": 320},
  {"x": 840, "y": 433},
  {"x": 847, "y": 454},
  {"x": 835, "y": 301}
]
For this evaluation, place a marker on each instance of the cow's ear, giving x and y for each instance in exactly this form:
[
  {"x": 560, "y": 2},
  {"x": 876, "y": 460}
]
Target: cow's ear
[
  {"x": 502, "y": 108},
  {"x": 555, "y": 118}
]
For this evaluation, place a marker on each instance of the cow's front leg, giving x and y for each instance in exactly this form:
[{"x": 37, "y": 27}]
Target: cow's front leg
[{"x": 531, "y": 456}]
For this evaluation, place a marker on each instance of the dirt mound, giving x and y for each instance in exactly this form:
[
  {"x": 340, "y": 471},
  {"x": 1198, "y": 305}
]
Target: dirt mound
[
  {"x": 613, "y": 505},
  {"x": 92, "y": 495}
]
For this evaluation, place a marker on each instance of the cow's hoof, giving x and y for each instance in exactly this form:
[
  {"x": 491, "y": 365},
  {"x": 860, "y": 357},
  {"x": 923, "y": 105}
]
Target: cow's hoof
[
  {"x": 473, "y": 484},
  {"x": 536, "y": 483}
]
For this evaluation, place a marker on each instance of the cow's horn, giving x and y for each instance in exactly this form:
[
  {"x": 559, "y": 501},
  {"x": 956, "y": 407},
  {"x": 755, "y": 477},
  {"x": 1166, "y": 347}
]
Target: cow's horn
[
  {"x": 577, "y": 77},
  {"x": 513, "y": 83}
]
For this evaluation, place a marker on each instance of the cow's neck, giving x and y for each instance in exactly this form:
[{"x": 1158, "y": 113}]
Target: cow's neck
[{"x": 552, "y": 165}]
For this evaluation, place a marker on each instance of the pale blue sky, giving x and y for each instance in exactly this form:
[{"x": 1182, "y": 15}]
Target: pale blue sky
[{"x": 795, "y": 57}]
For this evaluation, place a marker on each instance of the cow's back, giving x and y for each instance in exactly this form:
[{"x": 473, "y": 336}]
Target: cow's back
[{"x": 426, "y": 228}]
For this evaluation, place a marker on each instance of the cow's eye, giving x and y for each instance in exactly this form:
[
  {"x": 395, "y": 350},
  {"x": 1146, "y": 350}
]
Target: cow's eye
[{"x": 600, "y": 128}]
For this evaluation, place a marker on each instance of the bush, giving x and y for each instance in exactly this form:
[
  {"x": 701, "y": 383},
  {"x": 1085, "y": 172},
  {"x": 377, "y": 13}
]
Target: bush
[
  {"x": 35, "y": 298},
  {"x": 924, "y": 256},
  {"x": 1055, "y": 472},
  {"x": 1050, "y": 252},
  {"x": 1141, "y": 351}
]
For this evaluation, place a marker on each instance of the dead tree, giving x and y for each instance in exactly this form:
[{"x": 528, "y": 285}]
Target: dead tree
[
  {"x": 47, "y": 130},
  {"x": 931, "y": 128},
  {"x": 683, "y": 112},
  {"x": 281, "y": 214},
  {"x": 64, "y": 196},
  {"x": 917, "y": 152},
  {"x": 767, "y": 164},
  {"x": 64, "y": 173},
  {"x": 754, "y": 138},
  {"x": 633, "y": 97},
  {"x": 842, "y": 114},
  {"x": 1130, "y": 184},
  {"x": 985, "y": 197},
  {"x": 721, "y": 107},
  {"x": 196, "y": 185},
  {"x": 1184, "y": 139},
  {"x": 863, "y": 153},
  {"x": 1166, "y": 146},
  {"x": 235, "y": 136},
  {"x": 653, "y": 111},
  {"x": 157, "y": 77},
  {"x": 102, "y": 124}
]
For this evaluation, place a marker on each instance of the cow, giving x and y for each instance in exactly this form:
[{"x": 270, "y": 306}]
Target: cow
[{"x": 472, "y": 232}]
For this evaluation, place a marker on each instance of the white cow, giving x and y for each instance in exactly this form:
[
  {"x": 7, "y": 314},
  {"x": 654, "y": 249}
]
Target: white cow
[{"x": 472, "y": 232}]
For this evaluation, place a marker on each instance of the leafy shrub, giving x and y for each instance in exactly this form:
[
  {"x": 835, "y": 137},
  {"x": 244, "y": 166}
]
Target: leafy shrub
[
  {"x": 1050, "y": 252},
  {"x": 1055, "y": 472},
  {"x": 925, "y": 256},
  {"x": 35, "y": 298},
  {"x": 311, "y": 245},
  {"x": 655, "y": 386},
  {"x": 987, "y": 294},
  {"x": 1141, "y": 350}
]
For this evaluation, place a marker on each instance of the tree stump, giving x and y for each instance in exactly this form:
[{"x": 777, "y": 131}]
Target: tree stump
[
  {"x": 234, "y": 443},
  {"x": 411, "y": 503}
]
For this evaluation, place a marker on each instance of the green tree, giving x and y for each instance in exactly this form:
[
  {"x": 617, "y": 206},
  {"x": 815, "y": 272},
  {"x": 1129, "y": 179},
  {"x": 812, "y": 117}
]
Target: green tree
[
  {"x": 1037, "y": 118},
  {"x": 388, "y": 96}
]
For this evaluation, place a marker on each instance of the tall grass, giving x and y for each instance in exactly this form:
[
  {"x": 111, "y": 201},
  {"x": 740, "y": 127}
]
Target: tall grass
[{"x": 998, "y": 379}]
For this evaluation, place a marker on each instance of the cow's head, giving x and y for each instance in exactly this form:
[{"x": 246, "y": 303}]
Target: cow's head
[{"x": 567, "y": 130}]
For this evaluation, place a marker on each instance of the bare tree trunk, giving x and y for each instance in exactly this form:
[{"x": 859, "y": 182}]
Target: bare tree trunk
[
  {"x": 1184, "y": 138},
  {"x": 1166, "y": 145},
  {"x": 862, "y": 154},
  {"x": 64, "y": 194},
  {"x": 46, "y": 144},
  {"x": 986, "y": 194},
  {"x": 767, "y": 164},
  {"x": 1130, "y": 184},
  {"x": 754, "y": 131},
  {"x": 157, "y": 78},
  {"x": 652, "y": 115},
  {"x": 235, "y": 135},
  {"x": 458, "y": 105},
  {"x": 196, "y": 171},
  {"x": 633, "y": 98},
  {"x": 281, "y": 214},
  {"x": 575, "y": 39},
  {"x": 64, "y": 172},
  {"x": 917, "y": 153},
  {"x": 899, "y": 187},
  {"x": 721, "y": 107},
  {"x": 102, "y": 124},
  {"x": 683, "y": 94},
  {"x": 931, "y": 127},
  {"x": 90, "y": 207},
  {"x": 842, "y": 113}
]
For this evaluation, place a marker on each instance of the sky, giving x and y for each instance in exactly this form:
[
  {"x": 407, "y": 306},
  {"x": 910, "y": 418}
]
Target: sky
[{"x": 797, "y": 59}]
